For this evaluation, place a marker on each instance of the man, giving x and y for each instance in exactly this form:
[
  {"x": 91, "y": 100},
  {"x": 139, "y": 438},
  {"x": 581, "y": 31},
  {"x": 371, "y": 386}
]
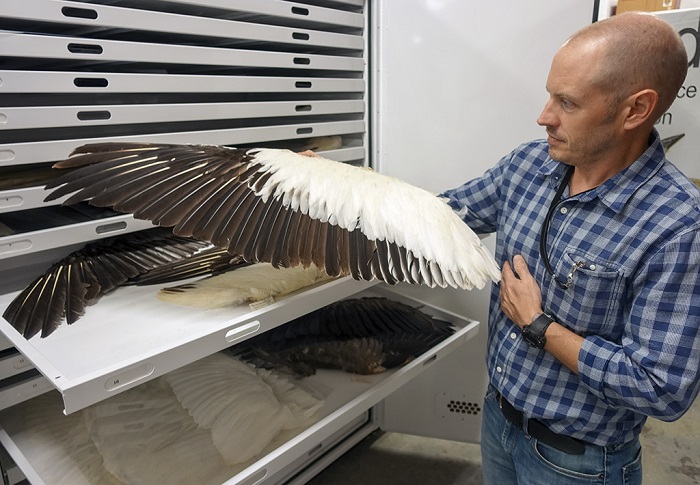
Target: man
[{"x": 596, "y": 324}]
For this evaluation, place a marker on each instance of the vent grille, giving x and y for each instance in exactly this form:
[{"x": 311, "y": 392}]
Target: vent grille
[
  {"x": 463, "y": 407},
  {"x": 456, "y": 406}
]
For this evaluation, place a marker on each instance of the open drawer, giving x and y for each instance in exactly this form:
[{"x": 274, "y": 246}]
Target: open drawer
[
  {"x": 346, "y": 414},
  {"x": 130, "y": 337}
]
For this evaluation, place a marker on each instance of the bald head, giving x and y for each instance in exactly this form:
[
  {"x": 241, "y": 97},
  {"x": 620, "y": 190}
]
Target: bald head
[{"x": 640, "y": 51}]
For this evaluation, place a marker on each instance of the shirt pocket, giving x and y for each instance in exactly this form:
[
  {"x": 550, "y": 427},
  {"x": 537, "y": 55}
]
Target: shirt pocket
[{"x": 594, "y": 302}]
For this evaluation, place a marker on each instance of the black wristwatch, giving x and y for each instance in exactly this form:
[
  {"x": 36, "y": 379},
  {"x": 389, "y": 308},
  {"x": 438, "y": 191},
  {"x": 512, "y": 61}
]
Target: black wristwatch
[{"x": 533, "y": 334}]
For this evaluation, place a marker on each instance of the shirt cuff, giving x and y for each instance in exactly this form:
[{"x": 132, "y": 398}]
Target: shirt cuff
[{"x": 593, "y": 360}]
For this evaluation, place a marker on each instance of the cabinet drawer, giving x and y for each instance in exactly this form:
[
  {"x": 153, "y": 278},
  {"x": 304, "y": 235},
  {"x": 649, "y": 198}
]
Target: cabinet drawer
[{"x": 348, "y": 400}]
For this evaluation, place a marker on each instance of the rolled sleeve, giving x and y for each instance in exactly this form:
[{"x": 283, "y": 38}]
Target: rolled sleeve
[
  {"x": 593, "y": 359},
  {"x": 655, "y": 369}
]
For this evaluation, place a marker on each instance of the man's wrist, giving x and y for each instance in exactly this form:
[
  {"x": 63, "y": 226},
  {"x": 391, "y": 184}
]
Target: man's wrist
[{"x": 534, "y": 333}]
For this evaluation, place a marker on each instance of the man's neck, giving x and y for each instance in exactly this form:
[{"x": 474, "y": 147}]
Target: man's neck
[{"x": 591, "y": 175}]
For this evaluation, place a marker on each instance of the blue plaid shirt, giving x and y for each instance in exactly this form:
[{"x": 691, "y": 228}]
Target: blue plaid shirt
[{"x": 636, "y": 300}]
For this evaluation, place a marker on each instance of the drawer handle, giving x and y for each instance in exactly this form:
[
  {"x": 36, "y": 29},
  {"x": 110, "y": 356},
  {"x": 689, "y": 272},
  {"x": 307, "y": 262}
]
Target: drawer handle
[
  {"x": 7, "y": 155},
  {"x": 315, "y": 450},
  {"x": 11, "y": 201},
  {"x": 303, "y": 84},
  {"x": 300, "y": 36},
  {"x": 300, "y": 11},
  {"x": 94, "y": 115},
  {"x": 254, "y": 479},
  {"x": 84, "y": 48},
  {"x": 115, "y": 226},
  {"x": 16, "y": 246},
  {"x": 302, "y": 61},
  {"x": 241, "y": 331},
  {"x": 127, "y": 377},
  {"x": 79, "y": 13},
  {"x": 305, "y": 131},
  {"x": 90, "y": 82},
  {"x": 303, "y": 107}
]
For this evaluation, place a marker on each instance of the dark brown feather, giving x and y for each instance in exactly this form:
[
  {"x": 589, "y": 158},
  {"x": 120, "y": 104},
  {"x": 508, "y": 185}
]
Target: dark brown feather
[
  {"x": 197, "y": 212},
  {"x": 263, "y": 240},
  {"x": 276, "y": 235},
  {"x": 362, "y": 335},
  {"x": 82, "y": 277}
]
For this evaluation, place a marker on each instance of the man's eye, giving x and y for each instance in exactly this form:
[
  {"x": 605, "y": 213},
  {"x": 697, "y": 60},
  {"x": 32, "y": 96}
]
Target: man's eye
[{"x": 566, "y": 104}]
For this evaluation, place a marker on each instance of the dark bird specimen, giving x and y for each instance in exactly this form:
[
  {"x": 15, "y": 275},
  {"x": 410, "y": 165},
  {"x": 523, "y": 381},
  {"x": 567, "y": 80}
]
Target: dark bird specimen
[
  {"x": 279, "y": 207},
  {"x": 361, "y": 335},
  {"x": 82, "y": 277},
  {"x": 669, "y": 141}
]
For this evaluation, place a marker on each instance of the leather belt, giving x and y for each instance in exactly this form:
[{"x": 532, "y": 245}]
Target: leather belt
[{"x": 539, "y": 431}]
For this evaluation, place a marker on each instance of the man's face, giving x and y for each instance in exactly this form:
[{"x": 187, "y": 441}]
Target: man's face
[{"x": 580, "y": 123}]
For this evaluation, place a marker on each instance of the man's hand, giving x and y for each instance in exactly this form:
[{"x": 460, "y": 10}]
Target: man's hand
[
  {"x": 521, "y": 297},
  {"x": 309, "y": 153}
]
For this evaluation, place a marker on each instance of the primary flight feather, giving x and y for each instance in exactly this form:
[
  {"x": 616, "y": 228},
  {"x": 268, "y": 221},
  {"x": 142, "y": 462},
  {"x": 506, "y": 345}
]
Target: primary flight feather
[{"x": 280, "y": 207}]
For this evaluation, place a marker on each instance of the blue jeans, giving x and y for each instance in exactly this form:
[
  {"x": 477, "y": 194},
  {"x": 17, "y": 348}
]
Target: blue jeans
[{"x": 510, "y": 457}]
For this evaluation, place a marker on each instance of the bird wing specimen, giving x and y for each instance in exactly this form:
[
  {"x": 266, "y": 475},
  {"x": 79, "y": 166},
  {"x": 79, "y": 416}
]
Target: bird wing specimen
[
  {"x": 82, "y": 277},
  {"x": 250, "y": 284},
  {"x": 72, "y": 458},
  {"x": 359, "y": 335},
  {"x": 243, "y": 410},
  {"x": 283, "y": 208},
  {"x": 211, "y": 261}
]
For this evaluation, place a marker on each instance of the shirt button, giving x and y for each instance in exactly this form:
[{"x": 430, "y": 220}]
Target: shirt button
[
  {"x": 592, "y": 267},
  {"x": 498, "y": 369},
  {"x": 564, "y": 210},
  {"x": 512, "y": 335}
]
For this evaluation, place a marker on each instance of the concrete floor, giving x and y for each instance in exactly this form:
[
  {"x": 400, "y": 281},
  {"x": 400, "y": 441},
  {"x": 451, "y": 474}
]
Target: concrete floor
[{"x": 671, "y": 456}]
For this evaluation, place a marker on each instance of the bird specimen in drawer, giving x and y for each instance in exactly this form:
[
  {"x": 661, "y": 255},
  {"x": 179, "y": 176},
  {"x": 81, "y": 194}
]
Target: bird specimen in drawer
[
  {"x": 81, "y": 278},
  {"x": 359, "y": 335},
  {"x": 283, "y": 208},
  {"x": 258, "y": 282}
]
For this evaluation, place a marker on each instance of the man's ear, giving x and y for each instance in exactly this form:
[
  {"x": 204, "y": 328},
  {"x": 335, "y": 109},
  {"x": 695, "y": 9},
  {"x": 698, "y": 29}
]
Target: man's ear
[{"x": 641, "y": 108}]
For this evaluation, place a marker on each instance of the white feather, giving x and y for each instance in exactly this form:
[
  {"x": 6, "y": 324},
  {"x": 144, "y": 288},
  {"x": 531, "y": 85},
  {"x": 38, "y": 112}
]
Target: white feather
[
  {"x": 145, "y": 436},
  {"x": 241, "y": 411},
  {"x": 248, "y": 284},
  {"x": 383, "y": 208},
  {"x": 64, "y": 454}
]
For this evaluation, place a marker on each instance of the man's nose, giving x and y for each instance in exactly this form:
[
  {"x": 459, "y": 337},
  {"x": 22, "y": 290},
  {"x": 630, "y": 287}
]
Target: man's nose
[{"x": 546, "y": 118}]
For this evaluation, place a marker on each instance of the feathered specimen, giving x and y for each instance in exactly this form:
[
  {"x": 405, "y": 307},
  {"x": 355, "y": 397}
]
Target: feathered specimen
[
  {"x": 362, "y": 336},
  {"x": 283, "y": 208},
  {"x": 211, "y": 261},
  {"x": 81, "y": 278},
  {"x": 72, "y": 458},
  {"x": 202, "y": 423},
  {"x": 249, "y": 284},
  {"x": 243, "y": 409}
]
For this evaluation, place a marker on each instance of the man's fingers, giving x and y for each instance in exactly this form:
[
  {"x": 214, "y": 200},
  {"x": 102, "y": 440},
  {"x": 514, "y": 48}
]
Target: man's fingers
[{"x": 520, "y": 266}]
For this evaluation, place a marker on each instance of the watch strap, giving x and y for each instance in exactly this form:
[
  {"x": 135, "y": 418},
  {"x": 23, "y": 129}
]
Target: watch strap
[{"x": 533, "y": 333}]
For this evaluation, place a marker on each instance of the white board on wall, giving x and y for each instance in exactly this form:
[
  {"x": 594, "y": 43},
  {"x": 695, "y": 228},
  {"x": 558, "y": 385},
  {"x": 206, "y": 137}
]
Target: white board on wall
[
  {"x": 683, "y": 117},
  {"x": 458, "y": 85}
]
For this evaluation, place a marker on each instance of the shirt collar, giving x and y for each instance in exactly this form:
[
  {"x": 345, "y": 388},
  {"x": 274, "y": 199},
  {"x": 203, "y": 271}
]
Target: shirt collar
[{"x": 616, "y": 191}]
